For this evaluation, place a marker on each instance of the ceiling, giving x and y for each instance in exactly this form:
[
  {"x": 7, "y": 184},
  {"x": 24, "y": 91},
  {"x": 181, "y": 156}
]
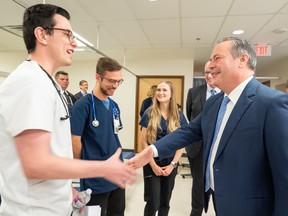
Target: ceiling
[{"x": 139, "y": 30}]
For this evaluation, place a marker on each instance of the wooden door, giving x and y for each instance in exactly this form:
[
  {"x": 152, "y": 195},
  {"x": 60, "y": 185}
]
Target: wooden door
[{"x": 143, "y": 85}]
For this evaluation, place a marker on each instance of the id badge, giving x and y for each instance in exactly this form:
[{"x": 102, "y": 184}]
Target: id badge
[{"x": 116, "y": 125}]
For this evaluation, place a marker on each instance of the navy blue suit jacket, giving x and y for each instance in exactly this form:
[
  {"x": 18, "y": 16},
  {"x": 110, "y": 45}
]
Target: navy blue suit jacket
[
  {"x": 196, "y": 99},
  {"x": 251, "y": 164}
]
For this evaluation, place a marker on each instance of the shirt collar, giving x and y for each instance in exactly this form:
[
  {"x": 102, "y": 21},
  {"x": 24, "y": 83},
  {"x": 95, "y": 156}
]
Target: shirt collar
[
  {"x": 209, "y": 89},
  {"x": 235, "y": 94}
]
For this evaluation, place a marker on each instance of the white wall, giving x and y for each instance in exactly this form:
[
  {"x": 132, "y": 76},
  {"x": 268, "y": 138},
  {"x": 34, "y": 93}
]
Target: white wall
[
  {"x": 279, "y": 70},
  {"x": 125, "y": 95}
]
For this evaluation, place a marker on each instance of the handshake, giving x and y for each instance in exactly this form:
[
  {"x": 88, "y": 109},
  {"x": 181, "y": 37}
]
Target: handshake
[{"x": 125, "y": 173}]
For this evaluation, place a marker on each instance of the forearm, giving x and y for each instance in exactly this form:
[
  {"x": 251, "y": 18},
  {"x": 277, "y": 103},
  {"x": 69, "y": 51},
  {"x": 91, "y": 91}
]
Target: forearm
[
  {"x": 53, "y": 167},
  {"x": 45, "y": 165},
  {"x": 77, "y": 146},
  {"x": 178, "y": 155}
]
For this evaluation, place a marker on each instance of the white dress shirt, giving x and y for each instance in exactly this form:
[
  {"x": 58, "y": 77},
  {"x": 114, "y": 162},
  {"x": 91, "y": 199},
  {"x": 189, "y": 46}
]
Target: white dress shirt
[{"x": 233, "y": 96}]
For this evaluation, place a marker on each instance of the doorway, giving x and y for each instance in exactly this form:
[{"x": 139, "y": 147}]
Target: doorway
[{"x": 143, "y": 85}]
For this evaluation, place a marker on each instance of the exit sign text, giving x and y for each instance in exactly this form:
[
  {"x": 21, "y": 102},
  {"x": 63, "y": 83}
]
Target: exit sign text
[{"x": 263, "y": 50}]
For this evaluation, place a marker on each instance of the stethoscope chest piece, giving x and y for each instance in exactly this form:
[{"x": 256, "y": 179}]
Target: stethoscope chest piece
[{"x": 95, "y": 123}]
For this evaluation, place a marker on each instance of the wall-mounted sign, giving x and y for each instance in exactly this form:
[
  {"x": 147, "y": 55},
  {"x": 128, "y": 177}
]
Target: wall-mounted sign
[{"x": 263, "y": 50}]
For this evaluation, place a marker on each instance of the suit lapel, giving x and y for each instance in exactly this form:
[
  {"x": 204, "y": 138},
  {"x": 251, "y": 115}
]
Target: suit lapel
[{"x": 243, "y": 103}]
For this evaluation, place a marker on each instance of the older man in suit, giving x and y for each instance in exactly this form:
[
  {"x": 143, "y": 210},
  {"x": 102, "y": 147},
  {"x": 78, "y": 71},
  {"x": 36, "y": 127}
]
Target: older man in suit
[
  {"x": 62, "y": 78},
  {"x": 196, "y": 99},
  {"x": 246, "y": 167},
  {"x": 83, "y": 85}
]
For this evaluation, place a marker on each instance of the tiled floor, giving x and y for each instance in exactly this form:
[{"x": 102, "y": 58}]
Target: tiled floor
[{"x": 180, "y": 201}]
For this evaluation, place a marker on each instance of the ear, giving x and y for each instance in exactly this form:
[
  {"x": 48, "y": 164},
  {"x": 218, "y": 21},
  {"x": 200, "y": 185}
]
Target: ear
[
  {"x": 97, "y": 77},
  {"x": 243, "y": 60},
  {"x": 40, "y": 35}
]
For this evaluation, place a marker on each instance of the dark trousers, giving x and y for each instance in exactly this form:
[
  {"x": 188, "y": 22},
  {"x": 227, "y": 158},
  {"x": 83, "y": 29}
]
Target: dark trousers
[
  {"x": 196, "y": 168},
  {"x": 208, "y": 195},
  {"x": 157, "y": 191},
  {"x": 112, "y": 203}
]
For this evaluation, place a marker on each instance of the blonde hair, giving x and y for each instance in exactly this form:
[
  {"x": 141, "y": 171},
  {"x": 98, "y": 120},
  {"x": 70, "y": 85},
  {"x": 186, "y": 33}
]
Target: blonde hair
[
  {"x": 152, "y": 91},
  {"x": 173, "y": 118}
]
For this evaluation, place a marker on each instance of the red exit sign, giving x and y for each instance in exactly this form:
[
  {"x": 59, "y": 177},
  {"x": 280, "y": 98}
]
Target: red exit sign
[{"x": 263, "y": 50}]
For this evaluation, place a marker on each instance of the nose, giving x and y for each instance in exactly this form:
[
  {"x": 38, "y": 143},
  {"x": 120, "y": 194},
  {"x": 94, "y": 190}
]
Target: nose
[
  {"x": 74, "y": 43},
  {"x": 116, "y": 84}
]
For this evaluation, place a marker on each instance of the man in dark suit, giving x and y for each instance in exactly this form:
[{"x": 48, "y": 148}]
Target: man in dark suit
[
  {"x": 62, "y": 78},
  {"x": 248, "y": 172},
  {"x": 83, "y": 85},
  {"x": 196, "y": 99}
]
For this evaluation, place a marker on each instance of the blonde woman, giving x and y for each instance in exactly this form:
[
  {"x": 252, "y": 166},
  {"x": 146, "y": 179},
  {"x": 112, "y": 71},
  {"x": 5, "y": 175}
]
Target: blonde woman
[
  {"x": 160, "y": 119},
  {"x": 146, "y": 103}
]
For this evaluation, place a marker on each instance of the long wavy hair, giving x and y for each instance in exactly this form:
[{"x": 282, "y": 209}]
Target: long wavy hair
[{"x": 173, "y": 119}]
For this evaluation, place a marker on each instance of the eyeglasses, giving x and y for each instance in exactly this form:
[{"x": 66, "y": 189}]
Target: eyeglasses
[
  {"x": 68, "y": 32},
  {"x": 113, "y": 81}
]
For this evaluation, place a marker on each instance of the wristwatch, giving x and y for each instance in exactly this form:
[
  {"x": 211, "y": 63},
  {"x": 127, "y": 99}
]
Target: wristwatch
[{"x": 174, "y": 164}]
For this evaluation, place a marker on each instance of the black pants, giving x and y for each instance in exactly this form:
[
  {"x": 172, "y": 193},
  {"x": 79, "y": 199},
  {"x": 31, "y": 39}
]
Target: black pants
[
  {"x": 208, "y": 195},
  {"x": 196, "y": 168},
  {"x": 158, "y": 190},
  {"x": 112, "y": 203}
]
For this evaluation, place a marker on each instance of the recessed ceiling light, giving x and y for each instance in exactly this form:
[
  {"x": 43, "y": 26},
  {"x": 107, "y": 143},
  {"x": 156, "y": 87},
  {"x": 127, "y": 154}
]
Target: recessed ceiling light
[
  {"x": 152, "y": 0},
  {"x": 280, "y": 30},
  {"x": 238, "y": 32}
]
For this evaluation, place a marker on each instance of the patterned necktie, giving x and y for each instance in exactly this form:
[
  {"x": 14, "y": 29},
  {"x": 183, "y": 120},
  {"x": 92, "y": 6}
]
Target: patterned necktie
[
  {"x": 213, "y": 92},
  {"x": 217, "y": 127},
  {"x": 68, "y": 99}
]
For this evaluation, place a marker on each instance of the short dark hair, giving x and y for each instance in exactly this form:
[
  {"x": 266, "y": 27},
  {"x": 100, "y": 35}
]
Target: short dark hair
[
  {"x": 39, "y": 15},
  {"x": 107, "y": 64},
  {"x": 82, "y": 82},
  {"x": 60, "y": 73}
]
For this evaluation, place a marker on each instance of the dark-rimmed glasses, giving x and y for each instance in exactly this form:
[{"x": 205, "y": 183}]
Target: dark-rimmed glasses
[
  {"x": 68, "y": 32},
  {"x": 113, "y": 81}
]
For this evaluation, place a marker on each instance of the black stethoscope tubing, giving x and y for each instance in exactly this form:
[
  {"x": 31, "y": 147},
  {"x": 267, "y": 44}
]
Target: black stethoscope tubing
[{"x": 58, "y": 91}]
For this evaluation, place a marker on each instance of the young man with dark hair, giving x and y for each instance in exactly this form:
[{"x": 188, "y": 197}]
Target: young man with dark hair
[{"x": 36, "y": 159}]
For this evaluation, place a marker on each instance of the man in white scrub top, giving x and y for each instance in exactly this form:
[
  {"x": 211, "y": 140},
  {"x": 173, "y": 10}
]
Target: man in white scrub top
[{"x": 36, "y": 162}]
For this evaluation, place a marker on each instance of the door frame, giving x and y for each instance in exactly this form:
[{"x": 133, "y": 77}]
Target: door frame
[{"x": 154, "y": 80}]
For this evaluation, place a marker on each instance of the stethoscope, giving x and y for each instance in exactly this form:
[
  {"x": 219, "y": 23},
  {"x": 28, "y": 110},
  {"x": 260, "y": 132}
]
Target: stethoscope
[
  {"x": 58, "y": 91},
  {"x": 95, "y": 122}
]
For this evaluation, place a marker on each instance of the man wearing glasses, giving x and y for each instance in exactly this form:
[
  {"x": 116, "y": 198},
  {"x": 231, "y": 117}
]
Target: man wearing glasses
[
  {"x": 196, "y": 99},
  {"x": 95, "y": 124},
  {"x": 36, "y": 159}
]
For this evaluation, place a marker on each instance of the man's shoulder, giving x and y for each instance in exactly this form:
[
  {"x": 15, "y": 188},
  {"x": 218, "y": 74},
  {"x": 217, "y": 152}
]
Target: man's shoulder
[
  {"x": 198, "y": 88},
  {"x": 78, "y": 95}
]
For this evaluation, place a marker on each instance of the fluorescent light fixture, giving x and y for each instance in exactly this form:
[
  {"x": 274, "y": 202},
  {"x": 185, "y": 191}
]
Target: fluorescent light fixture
[
  {"x": 238, "y": 32},
  {"x": 280, "y": 30},
  {"x": 80, "y": 49},
  {"x": 79, "y": 43}
]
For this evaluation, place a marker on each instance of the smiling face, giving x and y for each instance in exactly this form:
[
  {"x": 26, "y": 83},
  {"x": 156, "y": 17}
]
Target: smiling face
[
  {"x": 208, "y": 76},
  {"x": 84, "y": 87},
  {"x": 59, "y": 44},
  {"x": 163, "y": 93},
  {"x": 109, "y": 82},
  {"x": 224, "y": 68}
]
